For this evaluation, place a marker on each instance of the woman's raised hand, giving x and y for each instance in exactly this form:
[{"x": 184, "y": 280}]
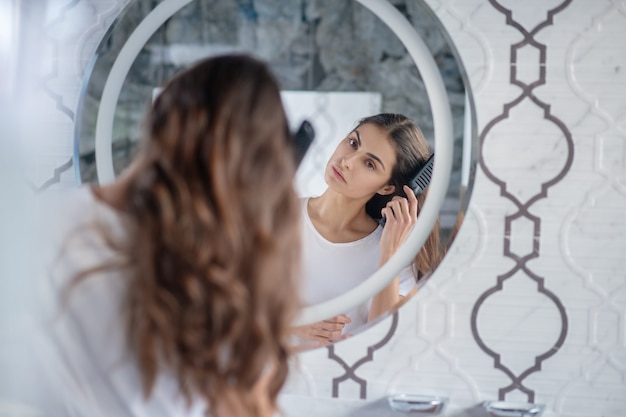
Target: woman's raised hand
[{"x": 400, "y": 217}]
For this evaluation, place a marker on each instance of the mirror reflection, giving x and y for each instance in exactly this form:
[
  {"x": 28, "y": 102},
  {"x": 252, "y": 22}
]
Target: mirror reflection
[
  {"x": 336, "y": 63},
  {"x": 362, "y": 218}
]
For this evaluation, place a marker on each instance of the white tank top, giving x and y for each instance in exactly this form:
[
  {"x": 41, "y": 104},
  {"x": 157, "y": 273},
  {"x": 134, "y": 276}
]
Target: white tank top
[{"x": 331, "y": 269}]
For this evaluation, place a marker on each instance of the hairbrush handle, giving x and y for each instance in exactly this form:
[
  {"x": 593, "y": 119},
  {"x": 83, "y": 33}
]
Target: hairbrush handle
[
  {"x": 302, "y": 140},
  {"x": 420, "y": 181}
]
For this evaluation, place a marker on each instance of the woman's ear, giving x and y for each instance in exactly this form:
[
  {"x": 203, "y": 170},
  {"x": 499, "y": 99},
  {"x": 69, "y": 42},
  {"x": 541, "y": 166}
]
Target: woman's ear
[{"x": 387, "y": 189}]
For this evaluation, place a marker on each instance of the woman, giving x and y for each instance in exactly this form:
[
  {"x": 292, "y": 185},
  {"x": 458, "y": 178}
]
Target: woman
[
  {"x": 178, "y": 278},
  {"x": 343, "y": 240}
]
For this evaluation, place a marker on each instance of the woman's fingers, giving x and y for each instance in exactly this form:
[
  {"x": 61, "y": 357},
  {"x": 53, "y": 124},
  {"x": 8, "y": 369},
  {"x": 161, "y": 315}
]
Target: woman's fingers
[
  {"x": 330, "y": 326},
  {"x": 401, "y": 216},
  {"x": 399, "y": 210},
  {"x": 331, "y": 335},
  {"x": 329, "y": 329},
  {"x": 402, "y": 209},
  {"x": 412, "y": 200},
  {"x": 341, "y": 319}
]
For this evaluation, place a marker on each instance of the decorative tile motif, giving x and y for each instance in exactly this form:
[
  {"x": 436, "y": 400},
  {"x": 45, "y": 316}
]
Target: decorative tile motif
[
  {"x": 88, "y": 41},
  {"x": 62, "y": 18},
  {"x": 521, "y": 269},
  {"x": 56, "y": 175},
  {"x": 350, "y": 370}
]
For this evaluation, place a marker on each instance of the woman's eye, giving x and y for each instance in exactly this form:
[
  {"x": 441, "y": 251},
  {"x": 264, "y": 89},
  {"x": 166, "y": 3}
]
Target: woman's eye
[
  {"x": 370, "y": 164},
  {"x": 352, "y": 143}
]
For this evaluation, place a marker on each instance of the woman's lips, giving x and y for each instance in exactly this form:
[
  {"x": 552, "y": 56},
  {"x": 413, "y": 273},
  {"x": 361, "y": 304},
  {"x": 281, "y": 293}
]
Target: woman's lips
[{"x": 339, "y": 174}]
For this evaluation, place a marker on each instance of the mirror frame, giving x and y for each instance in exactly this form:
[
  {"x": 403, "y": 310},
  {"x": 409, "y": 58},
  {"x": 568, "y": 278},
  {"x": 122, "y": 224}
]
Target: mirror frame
[{"x": 443, "y": 139}]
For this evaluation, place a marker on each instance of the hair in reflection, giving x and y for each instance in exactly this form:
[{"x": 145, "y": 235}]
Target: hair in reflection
[
  {"x": 215, "y": 250},
  {"x": 412, "y": 151}
]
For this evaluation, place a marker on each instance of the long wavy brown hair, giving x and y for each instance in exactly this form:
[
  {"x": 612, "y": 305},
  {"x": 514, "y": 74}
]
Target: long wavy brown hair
[
  {"x": 215, "y": 245},
  {"x": 412, "y": 152}
]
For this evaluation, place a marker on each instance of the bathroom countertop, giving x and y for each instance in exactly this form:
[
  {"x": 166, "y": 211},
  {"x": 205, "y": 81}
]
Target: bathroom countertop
[{"x": 307, "y": 406}]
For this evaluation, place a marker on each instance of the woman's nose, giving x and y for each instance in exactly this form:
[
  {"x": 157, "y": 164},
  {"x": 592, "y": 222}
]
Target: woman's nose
[{"x": 346, "y": 161}]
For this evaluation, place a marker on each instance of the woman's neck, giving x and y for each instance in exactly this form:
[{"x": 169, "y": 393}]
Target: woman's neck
[{"x": 338, "y": 218}]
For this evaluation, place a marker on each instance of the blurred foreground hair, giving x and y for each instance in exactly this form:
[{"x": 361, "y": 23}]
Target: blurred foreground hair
[{"x": 213, "y": 251}]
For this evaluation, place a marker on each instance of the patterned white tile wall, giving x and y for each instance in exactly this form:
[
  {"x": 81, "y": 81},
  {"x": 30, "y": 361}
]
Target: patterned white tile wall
[
  {"x": 545, "y": 220},
  {"x": 530, "y": 302}
]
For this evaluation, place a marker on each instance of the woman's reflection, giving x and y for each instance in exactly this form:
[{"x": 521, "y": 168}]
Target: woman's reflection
[{"x": 343, "y": 240}]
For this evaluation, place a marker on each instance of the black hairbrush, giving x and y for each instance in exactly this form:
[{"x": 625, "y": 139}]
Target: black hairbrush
[
  {"x": 302, "y": 140},
  {"x": 420, "y": 181}
]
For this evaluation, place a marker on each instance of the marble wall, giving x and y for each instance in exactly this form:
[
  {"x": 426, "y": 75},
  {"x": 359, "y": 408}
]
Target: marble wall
[{"x": 530, "y": 303}]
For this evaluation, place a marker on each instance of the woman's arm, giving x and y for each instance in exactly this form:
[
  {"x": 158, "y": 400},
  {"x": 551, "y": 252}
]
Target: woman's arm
[
  {"x": 384, "y": 300},
  {"x": 401, "y": 215}
]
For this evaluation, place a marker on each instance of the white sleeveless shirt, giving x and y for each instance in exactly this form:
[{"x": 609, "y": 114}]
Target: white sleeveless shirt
[{"x": 331, "y": 269}]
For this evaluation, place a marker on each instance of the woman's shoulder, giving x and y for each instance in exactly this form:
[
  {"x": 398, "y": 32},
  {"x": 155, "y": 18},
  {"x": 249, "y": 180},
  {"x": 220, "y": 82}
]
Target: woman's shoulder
[
  {"x": 62, "y": 202},
  {"x": 74, "y": 218}
]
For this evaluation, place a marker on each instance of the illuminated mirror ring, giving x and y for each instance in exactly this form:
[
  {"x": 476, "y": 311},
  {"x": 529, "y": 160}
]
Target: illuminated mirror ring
[{"x": 442, "y": 122}]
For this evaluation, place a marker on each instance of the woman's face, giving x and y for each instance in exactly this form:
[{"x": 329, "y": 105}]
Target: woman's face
[{"x": 361, "y": 165}]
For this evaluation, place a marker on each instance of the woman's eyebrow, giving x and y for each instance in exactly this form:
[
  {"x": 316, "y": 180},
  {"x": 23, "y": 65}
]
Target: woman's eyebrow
[{"x": 371, "y": 155}]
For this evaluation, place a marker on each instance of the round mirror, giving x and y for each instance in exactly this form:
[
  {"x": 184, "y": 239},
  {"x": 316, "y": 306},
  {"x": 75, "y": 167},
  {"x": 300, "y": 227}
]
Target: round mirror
[{"x": 336, "y": 62}]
